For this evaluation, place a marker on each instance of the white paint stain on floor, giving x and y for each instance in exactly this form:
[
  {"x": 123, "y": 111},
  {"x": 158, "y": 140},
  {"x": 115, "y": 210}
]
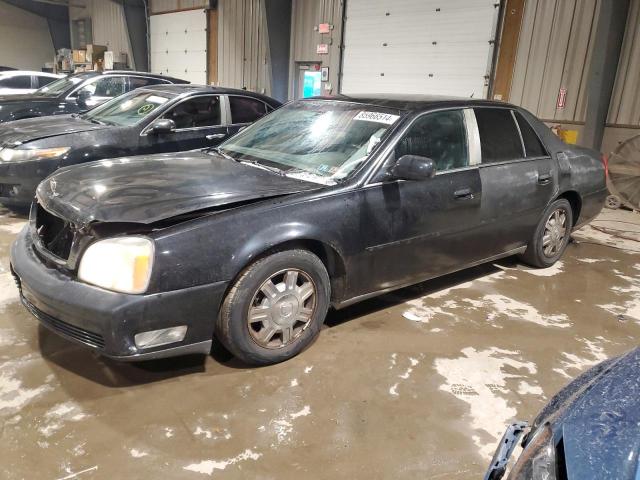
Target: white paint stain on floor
[
  {"x": 14, "y": 395},
  {"x": 57, "y": 416},
  {"x": 135, "y": 453},
  {"x": 8, "y": 290},
  {"x": 207, "y": 467},
  {"x": 591, "y": 354},
  {"x": 555, "y": 269},
  {"x": 13, "y": 228},
  {"x": 501, "y": 306},
  {"x": 479, "y": 378},
  {"x": 630, "y": 307}
]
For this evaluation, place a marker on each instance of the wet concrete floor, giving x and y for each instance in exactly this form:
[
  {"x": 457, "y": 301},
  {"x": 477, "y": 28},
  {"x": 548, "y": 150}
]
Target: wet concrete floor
[{"x": 419, "y": 383}]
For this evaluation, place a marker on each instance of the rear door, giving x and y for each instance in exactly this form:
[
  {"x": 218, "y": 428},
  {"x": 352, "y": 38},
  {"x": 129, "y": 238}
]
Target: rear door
[
  {"x": 199, "y": 123},
  {"x": 518, "y": 177},
  {"x": 243, "y": 111}
]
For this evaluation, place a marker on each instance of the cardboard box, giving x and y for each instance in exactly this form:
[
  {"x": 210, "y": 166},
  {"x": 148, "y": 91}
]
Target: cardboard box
[
  {"x": 114, "y": 60},
  {"x": 79, "y": 56},
  {"x": 95, "y": 52}
]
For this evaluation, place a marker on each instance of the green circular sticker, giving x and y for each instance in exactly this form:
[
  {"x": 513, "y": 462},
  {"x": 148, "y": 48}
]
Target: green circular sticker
[{"x": 146, "y": 108}]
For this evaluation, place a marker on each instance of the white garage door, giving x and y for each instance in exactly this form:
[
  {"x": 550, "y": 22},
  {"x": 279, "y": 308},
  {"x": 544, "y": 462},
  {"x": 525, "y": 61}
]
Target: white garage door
[
  {"x": 440, "y": 47},
  {"x": 179, "y": 45}
]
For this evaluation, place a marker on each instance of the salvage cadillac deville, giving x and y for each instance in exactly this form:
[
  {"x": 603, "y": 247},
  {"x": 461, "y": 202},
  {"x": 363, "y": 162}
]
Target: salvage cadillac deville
[{"x": 322, "y": 203}]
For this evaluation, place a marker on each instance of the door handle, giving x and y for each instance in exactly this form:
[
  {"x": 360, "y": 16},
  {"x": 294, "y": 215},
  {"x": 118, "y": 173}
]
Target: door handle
[
  {"x": 544, "y": 178},
  {"x": 216, "y": 136},
  {"x": 463, "y": 194}
]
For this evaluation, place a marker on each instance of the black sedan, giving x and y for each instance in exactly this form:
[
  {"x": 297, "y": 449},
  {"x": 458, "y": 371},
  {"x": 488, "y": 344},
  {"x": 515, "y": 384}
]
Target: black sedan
[
  {"x": 322, "y": 203},
  {"x": 77, "y": 93},
  {"x": 162, "y": 118},
  {"x": 589, "y": 430}
]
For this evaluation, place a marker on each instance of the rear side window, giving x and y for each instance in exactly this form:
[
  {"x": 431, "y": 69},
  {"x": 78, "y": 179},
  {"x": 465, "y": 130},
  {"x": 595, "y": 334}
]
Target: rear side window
[
  {"x": 532, "y": 144},
  {"x": 440, "y": 136},
  {"x": 245, "y": 109},
  {"x": 499, "y": 137},
  {"x": 17, "y": 81},
  {"x": 109, "y": 86},
  {"x": 42, "y": 81}
]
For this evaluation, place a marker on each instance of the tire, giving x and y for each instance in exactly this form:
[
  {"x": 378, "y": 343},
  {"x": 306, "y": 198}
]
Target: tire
[
  {"x": 273, "y": 291},
  {"x": 540, "y": 255}
]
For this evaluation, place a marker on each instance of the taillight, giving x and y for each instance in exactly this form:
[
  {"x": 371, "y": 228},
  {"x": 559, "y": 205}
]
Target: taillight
[{"x": 605, "y": 162}]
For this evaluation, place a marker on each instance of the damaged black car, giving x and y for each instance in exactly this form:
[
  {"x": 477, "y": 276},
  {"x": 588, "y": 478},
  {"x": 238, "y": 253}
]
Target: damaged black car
[{"x": 323, "y": 203}]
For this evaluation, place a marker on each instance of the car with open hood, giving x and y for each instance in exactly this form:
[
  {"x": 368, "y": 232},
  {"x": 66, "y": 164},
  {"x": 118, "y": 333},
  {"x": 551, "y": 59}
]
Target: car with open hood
[
  {"x": 155, "y": 119},
  {"x": 76, "y": 93},
  {"x": 322, "y": 203},
  {"x": 588, "y": 430}
]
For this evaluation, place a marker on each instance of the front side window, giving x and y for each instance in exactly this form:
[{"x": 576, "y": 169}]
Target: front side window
[
  {"x": 321, "y": 141},
  {"x": 499, "y": 137},
  {"x": 203, "y": 111},
  {"x": 245, "y": 109},
  {"x": 127, "y": 109},
  {"x": 440, "y": 136},
  {"x": 109, "y": 86}
]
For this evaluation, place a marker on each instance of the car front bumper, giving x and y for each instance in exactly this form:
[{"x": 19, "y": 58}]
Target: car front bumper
[
  {"x": 19, "y": 180},
  {"x": 108, "y": 321}
]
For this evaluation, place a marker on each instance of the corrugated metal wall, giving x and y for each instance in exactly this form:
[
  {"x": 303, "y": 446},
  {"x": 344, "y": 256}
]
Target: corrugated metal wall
[
  {"x": 108, "y": 24},
  {"x": 554, "y": 51},
  {"x": 243, "y": 45},
  {"x": 306, "y": 16},
  {"x": 625, "y": 103}
]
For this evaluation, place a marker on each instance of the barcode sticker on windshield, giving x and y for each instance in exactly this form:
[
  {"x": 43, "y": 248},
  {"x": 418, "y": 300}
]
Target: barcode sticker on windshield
[{"x": 378, "y": 117}]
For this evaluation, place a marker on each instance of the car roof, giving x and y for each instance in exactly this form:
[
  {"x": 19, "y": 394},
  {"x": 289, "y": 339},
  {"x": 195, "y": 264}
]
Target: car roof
[
  {"x": 411, "y": 102},
  {"x": 11, "y": 73},
  {"x": 191, "y": 89},
  {"x": 94, "y": 73}
]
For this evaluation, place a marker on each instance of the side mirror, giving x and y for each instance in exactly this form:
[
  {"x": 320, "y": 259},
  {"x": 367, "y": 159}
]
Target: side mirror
[
  {"x": 413, "y": 167},
  {"x": 83, "y": 96},
  {"x": 163, "y": 125}
]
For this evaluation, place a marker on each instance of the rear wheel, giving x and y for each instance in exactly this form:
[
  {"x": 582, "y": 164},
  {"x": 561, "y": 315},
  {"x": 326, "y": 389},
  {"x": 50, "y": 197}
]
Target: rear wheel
[
  {"x": 551, "y": 236},
  {"x": 275, "y": 308}
]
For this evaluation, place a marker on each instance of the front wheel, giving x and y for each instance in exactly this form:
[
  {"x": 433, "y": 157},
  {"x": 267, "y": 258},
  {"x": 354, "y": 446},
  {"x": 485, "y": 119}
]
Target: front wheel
[
  {"x": 275, "y": 308},
  {"x": 551, "y": 236}
]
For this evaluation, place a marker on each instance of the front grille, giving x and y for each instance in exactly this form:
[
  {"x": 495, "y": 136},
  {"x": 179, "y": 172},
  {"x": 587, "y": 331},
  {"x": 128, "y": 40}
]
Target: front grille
[
  {"x": 80, "y": 334},
  {"x": 55, "y": 233}
]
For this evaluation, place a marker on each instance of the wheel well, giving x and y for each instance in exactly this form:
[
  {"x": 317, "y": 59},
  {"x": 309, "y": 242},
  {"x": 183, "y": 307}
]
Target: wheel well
[
  {"x": 331, "y": 259},
  {"x": 575, "y": 201}
]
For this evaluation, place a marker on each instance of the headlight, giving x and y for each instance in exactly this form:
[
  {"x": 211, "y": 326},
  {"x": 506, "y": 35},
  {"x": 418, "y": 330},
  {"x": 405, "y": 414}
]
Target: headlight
[
  {"x": 121, "y": 264},
  {"x": 22, "y": 155},
  {"x": 538, "y": 460}
]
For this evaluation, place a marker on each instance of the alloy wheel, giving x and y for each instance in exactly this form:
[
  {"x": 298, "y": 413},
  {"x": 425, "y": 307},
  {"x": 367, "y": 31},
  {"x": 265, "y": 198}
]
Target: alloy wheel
[
  {"x": 555, "y": 231},
  {"x": 282, "y": 308}
]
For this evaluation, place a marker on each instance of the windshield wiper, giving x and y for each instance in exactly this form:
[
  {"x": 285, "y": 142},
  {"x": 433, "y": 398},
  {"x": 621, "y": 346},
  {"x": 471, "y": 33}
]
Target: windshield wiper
[
  {"x": 219, "y": 151},
  {"x": 256, "y": 164}
]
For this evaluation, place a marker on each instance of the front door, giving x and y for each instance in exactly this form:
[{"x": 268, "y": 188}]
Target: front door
[
  {"x": 431, "y": 223},
  {"x": 198, "y": 123},
  {"x": 309, "y": 81}
]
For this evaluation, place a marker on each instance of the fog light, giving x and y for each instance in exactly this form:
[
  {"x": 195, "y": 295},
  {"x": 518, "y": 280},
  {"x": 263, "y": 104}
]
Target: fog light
[{"x": 155, "y": 338}]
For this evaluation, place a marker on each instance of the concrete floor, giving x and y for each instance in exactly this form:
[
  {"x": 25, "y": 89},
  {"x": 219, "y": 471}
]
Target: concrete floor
[{"x": 415, "y": 384}]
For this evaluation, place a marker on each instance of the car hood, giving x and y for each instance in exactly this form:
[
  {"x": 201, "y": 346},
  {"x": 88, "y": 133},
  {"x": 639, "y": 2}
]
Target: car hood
[
  {"x": 30, "y": 129},
  {"x": 151, "y": 188},
  {"x": 601, "y": 430}
]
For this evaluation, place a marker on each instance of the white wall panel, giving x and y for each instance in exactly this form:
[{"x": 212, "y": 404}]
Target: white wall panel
[
  {"x": 179, "y": 45},
  {"x": 418, "y": 46},
  {"x": 25, "y": 41}
]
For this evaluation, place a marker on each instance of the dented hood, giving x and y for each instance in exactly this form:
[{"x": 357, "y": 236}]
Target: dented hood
[
  {"x": 151, "y": 188},
  {"x": 23, "y": 131}
]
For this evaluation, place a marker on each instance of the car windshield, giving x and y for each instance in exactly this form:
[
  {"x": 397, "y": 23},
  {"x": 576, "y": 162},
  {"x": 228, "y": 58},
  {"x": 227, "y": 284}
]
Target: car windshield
[
  {"x": 127, "y": 109},
  {"x": 322, "y": 141},
  {"x": 59, "y": 86}
]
